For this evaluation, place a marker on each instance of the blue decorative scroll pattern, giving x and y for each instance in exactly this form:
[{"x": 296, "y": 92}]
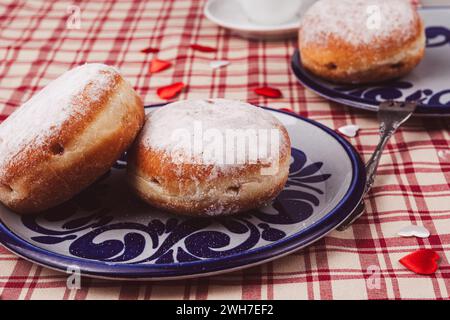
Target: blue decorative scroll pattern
[
  {"x": 436, "y": 36},
  {"x": 176, "y": 239}
]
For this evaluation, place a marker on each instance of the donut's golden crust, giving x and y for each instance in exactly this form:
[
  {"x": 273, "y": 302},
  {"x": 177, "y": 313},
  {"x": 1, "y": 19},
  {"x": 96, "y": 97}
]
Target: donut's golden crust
[
  {"x": 38, "y": 178},
  {"x": 341, "y": 62},
  {"x": 201, "y": 190}
]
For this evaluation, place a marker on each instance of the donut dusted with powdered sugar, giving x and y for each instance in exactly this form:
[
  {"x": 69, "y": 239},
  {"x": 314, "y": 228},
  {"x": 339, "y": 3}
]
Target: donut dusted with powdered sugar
[
  {"x": 189, "y": 157},
  {"x": 361, "y": 41},
  {"x": 66, "y": 136}
]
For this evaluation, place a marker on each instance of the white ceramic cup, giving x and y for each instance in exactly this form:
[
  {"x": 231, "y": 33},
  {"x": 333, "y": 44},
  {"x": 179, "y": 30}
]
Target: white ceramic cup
[{"x": 272, "y": 12}]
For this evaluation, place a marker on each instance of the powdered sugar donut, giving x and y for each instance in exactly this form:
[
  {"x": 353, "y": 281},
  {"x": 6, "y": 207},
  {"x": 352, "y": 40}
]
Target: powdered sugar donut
[
  {"x": 361, "y": 41},
  {"x": 209, "y": 157},
  {"x": 66, "y": 136}
]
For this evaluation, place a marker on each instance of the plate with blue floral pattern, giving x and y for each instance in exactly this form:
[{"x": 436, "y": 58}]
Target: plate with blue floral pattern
[
  {"x": 428, "y": 83},
  {"x": 107, "y": 232}
]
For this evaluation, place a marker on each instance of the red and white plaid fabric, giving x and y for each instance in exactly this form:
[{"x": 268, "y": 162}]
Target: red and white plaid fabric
[{"x": 413, "y": 184}]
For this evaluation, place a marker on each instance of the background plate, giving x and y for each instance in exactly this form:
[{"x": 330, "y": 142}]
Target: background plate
[
  {"x": 428, "y": 83},
  {"x": 107, "y": 232}
]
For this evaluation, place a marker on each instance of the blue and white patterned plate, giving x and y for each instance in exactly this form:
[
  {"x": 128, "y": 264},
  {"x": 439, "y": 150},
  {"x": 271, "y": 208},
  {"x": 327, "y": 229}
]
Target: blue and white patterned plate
[
  {"x": 429, "y": 82},
  {"x": 107, "y": 232}
]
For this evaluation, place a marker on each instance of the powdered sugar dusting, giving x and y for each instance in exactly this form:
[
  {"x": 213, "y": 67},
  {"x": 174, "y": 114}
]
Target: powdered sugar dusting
[
  {"x": 46, "y": 111},
  {"x": 209, "y": 116},
  {"x": 357, "y": 22}
]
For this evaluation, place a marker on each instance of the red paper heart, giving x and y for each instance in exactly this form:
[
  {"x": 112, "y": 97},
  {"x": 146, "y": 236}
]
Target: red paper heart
[
  {"x": 423, "y": 261},
  {"x": 287, "y": 109},
  {"x": 170, "y": 91},
  {"x": 268, "y": 92},
  {"x": 201, "y": 48},
  {"x": 150, "y": 50},
  {"x": 157, "y": 65}
]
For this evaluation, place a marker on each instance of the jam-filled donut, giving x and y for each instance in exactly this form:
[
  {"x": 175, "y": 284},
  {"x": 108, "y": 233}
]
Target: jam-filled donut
[
  {"x": 66, "y": 136},
  {"x": 209, "y": 157},
  {"x": 361, "y": 41}
]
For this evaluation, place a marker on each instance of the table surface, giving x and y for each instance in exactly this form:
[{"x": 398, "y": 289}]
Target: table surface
[{"x": 413, "y": 183}]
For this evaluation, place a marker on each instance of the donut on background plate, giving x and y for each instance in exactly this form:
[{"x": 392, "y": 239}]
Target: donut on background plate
[
  {"x": 66, "y": 136},
  {"x": 361, "y": 41},
  {"x": 209, "y": 157}
]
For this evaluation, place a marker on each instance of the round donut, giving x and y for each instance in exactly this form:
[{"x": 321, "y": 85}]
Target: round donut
[
  {"x": 66, "y": 136},
  {"x": 361, "y": 41},
  {"x": 209, "y": 158}
]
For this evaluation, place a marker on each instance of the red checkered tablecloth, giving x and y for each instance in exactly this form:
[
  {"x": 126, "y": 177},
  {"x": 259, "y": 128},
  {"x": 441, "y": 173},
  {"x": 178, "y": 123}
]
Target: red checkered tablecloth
[{"x": 413, "y": 184}]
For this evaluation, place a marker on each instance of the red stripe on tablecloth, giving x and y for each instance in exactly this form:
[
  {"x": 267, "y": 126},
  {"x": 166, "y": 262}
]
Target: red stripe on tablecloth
[
  {"x": 159, "y": 25},
  {"x": 86, "y": 284},
  {"x": 188, "y": 27},
  {"x": 249, "y": 289},
  {"x": 187, "y": 289},
  {"x": 45, "y": 50},
  {"x": 33, "y": 283},
  {"x": 129, "y": 291},
  {"x": 269, "y": 279},
  {"x": 135, "y": 17},
  {"x": 8, "y": 13},
  {"x": 222, "y": 73},
  {"x": 252, "y": 283},
  {"x": 325, "y": 285},
  {"x": 148, "y": 292},
  {"x": 8, "y": 61},
  {"x": 155, "y": 41},
  {"x": 21, "y": 267},
  {"x": 94, "y": 30},
  {"x": 421, "y": 204},
  {"x": 202, "y": 289},
  {"x": 309, "y": 277},
  {"x": 193, "y": 39}
]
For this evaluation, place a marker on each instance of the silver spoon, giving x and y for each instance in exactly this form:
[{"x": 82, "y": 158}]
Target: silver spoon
[{"x": 391, "y": 115}]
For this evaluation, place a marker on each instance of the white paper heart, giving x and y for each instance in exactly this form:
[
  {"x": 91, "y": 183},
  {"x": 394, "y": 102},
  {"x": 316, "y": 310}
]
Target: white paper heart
[
  {"x": 216, "y": 64},
  {"x": 350, "y": 130},
  {"x": 414, "y": 231},
  {"x": 444, "y": 155}
]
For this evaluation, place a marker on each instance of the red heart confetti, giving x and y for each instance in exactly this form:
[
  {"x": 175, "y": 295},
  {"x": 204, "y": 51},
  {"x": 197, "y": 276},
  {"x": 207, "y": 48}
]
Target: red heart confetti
[
  {"x": 423, "y": 261},
  {"x": 150, "y": 50},
  {"x": 287, "y": 110},
  {"x": 157, "y": 65},
  {"x": 268, "y": 92},
  {"x": 201, "y": 48},
  {"x": 170, "y": 91}
]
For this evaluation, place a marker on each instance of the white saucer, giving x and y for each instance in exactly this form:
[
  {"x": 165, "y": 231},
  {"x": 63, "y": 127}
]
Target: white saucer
[{"x": 228, "y": 14}]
